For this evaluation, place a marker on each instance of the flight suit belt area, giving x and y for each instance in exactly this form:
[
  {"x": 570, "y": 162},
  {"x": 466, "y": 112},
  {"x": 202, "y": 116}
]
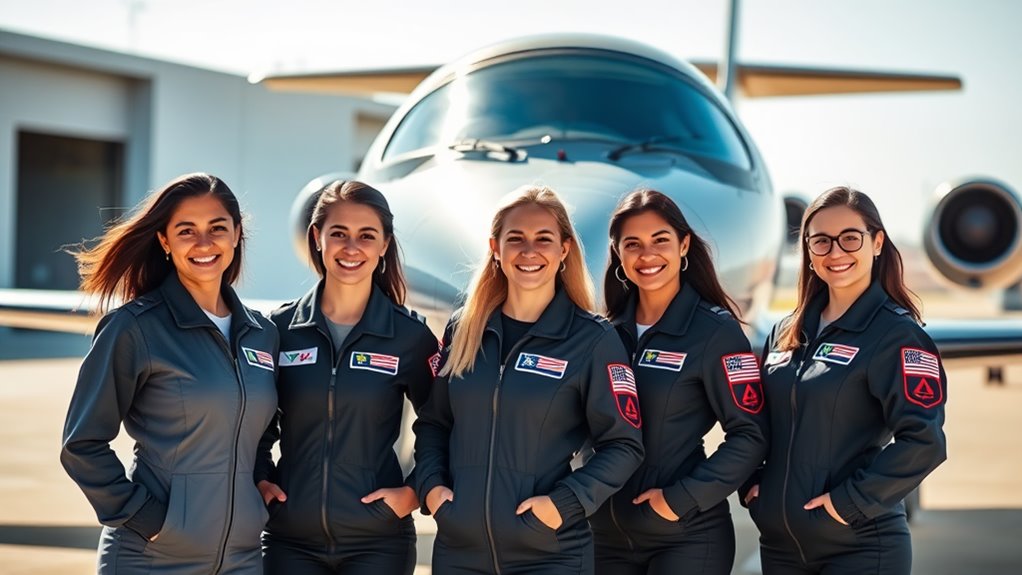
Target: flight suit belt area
[
  {"x": 628, "y": 526},
  {"x": 368, "y": 555},
  {"x": 881, "y": 545}
]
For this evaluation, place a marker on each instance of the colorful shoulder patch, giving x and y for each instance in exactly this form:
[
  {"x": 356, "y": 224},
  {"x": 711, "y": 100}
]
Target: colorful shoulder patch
[
  {"x": 836, "y": 353},
  {"x": 626, "y": 395},
  {"x": 298, "y": 357},
  {"x": 377, "y": 362},
  {"x": 258, "y": 358},
  {"x": 742, "y": 372},
  {"x": 778, "y": 358},
  {"x": 921, "y": 373},
  {"x": 541, "y": 365},
  {"x": 655, "y": 358}
]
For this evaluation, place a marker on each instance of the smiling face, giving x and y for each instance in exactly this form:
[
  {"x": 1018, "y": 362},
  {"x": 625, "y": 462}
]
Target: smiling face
[
  {"x": 651, "y": 252},
  {"x": 842, "y": 270},
  {"x": 200, "y": 238},
  {"x": 351, "y": 242},
  {"x": 530, "y": 248}
]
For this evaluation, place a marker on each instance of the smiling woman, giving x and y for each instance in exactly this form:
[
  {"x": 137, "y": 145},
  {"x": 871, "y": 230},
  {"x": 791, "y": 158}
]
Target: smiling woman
[{"x": 189, "y": 371}]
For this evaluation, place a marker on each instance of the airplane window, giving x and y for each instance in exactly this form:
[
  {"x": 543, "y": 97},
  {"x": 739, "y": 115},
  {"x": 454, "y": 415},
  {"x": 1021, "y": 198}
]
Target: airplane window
[{"x": 572, "y": 97}]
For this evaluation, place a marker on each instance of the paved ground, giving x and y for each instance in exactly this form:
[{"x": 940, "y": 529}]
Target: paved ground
[{"x": 972, "y": 523}]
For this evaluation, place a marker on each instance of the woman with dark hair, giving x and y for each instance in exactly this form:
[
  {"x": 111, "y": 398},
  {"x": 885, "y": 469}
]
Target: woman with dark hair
[
  {"x": 848, "y": 371},
  {"x": 189, "y": 371},
  {"x": 693, "y": 368},
  {"x": 529, "y": 374},
  {"x": 350, "y": 354}
]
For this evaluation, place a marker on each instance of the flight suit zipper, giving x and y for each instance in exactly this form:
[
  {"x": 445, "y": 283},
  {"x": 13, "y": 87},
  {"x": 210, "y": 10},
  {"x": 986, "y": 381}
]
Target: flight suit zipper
[
  {"x": 232, "y": 480},
  {"x": 328, "y": 445}
]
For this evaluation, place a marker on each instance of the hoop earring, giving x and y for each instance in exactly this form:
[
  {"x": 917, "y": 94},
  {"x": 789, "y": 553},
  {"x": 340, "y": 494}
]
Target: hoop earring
[
  {"x": 563, "y": 267},
  {"x": 811, "y": 268},
  {"x": 496, "y": 264},
  {"x": 383, "y": 266},
  {"x": 624, "y": 281},
  {"x": 684, "y": 266}
]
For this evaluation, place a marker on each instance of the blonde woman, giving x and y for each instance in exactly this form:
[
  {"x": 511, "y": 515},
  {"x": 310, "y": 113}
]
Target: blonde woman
[{"x": 528, "y": 374}]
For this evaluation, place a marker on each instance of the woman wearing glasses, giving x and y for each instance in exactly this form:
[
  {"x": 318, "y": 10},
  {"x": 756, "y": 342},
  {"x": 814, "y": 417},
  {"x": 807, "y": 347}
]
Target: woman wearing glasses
[{"x": 848, "y": 371}]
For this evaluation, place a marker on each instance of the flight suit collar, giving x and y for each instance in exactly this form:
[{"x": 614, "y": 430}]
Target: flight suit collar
[
  {"x": 857, "y": 318},
  {"x": 553, "y": 323},
  {"x": 376, "y": 319},
  {"x": 676, "y": 318},
  {"x": 187, "y": 313}
]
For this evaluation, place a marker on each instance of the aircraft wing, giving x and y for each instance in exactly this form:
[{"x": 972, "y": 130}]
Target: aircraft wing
[{"x": 754, "y": 80}]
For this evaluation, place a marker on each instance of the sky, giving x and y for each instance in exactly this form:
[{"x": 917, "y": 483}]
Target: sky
[{"x": 897, "y": 147}]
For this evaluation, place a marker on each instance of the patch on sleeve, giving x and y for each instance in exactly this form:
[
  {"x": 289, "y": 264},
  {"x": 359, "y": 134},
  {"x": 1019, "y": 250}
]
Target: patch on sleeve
[
  {"x": 377, "y": 362},
  {"x": 541, "y": 365},
  {"x": 298, "y": 357},
  {"x": 835, "y": 353},
  {"x": 742, "y": 372},
  {"x": 622, "y": 384},
  {"x": 921, "y": 372},
  {"x": 258, "y": 358},
  {"x": 434, "y": 360},
  {"x": 670, "y": 360}
]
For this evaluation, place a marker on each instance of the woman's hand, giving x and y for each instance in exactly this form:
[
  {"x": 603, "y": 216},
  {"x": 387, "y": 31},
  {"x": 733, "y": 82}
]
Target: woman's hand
[
  {"x": 752, "y": 494},
  {"x": 271, "y": 491},
  {"x": 544, "y": 510},
  {"x": 658, "y": 503},
  {"x": 436, "y": 497},
  {"x": 401, "y": 500},
  {"x": 827, "y": 504}
]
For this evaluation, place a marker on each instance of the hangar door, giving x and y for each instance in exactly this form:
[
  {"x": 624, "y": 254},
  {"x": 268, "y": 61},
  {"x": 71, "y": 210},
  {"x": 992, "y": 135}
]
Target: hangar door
[{"x": 67, "y": 191}]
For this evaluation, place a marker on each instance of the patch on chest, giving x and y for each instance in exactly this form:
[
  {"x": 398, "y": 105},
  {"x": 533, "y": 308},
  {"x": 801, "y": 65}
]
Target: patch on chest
[
  {"x": 742, "y": 373},
  {"x": 659, "y": 359},
  {"x": 298, "y": 357},
  {"x": 622, "y": 385},
  {"x": 378, "y": 362},
  {"x": 835, "y": 353},
  {"x": 921, "y": 371},
  {"x": 778, "y": 358},
  {"x": 541, "y": 365},
  {"x": 258, "y": 358}
]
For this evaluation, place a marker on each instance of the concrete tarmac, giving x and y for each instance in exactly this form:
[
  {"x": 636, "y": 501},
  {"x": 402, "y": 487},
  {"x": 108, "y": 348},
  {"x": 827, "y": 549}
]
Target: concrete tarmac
[{"x": 971, "y": 523}]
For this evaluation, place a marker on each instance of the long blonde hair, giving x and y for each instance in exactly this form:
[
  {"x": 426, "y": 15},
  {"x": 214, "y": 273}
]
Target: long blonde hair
[{"x": 488, "y": 289}]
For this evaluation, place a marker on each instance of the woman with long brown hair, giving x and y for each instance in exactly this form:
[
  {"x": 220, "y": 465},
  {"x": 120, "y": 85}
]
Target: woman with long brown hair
[
  {"x": 694, "y": 368},
  {"x": 848, "y": 371},
  {"x": 189, "y": 371},
  {"x": 350, "y": 354},
  {"x": 528, "y": 374}
]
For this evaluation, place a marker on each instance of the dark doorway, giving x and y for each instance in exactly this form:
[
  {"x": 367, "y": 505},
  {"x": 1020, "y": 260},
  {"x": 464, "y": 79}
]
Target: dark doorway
[{"x": 67, "y": 189}]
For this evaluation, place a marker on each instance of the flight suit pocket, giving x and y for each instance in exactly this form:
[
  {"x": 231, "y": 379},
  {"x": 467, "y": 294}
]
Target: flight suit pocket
[
  {"x": 521, "y": 535},
  {"x": 194, "y": 523}
]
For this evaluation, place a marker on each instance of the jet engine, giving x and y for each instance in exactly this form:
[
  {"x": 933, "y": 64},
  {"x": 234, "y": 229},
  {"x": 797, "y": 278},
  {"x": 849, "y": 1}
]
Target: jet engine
[
  {"x": 974, "y": 236},
  {"x": 301, "y": 211}
]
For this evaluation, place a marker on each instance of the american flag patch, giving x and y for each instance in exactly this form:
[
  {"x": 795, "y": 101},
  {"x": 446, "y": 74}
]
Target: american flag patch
[
  {"x": 655, "y": 358},
  {"x": 836, "y": 353},
  {"x": 921, "y": 374},
  {"x": 622, "y": 385},
  {"x": 541, "y": 365},
  {"x": 377, "y": 362},
  {"x": 742, "y": 373},
  {"x": 258, "y": 358}
]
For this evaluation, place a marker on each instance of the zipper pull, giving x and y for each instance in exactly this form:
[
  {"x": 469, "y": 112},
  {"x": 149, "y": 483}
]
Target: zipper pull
[
  {"x": 333, "y": 370},
  {"x": 501, "y": 374}
]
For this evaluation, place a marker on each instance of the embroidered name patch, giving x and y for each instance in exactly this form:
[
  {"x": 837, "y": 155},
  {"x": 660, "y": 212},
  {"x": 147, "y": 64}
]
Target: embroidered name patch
[
  {"x": 622, "y": 384},
  {"x": 377, "y": 362},
  {"x": 298, "y": 357},
  {"x": 258, "y": 358},
  {"x": 541, "y": 365},
  {"x": 921, "y": 372},
  {"x": 742, "y": 373},
  {"x": 655, "y": 358},
  {"x": 836, "y": 353},
  {"x": 778, "y": 358}
]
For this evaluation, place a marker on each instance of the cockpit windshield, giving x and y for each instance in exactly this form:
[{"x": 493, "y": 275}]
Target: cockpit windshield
[{"x": 572, "y": 96}]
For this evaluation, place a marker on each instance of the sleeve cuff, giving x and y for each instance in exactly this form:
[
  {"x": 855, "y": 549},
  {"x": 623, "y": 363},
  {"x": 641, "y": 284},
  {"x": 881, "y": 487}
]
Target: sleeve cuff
[
  {"x": 423, "y": 489},
  {"x": 845, "y": 507},
  {"x": 568, "y": 505},
  {"x": 148, "y": 520},
  {"x": 681, "y": 501},
  {"x": 754, "y": 479}
]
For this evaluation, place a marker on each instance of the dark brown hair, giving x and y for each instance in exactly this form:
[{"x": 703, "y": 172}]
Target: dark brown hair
[
  {"x": 392, "y": 279},
  {"x": 700, "y": 274},
  {"x": 128, "y": 260},
  {"x": 888, "y": 268}
]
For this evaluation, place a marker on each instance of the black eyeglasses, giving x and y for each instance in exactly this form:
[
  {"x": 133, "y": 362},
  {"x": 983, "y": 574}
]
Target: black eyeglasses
[{"x": 850, "y": 241}]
